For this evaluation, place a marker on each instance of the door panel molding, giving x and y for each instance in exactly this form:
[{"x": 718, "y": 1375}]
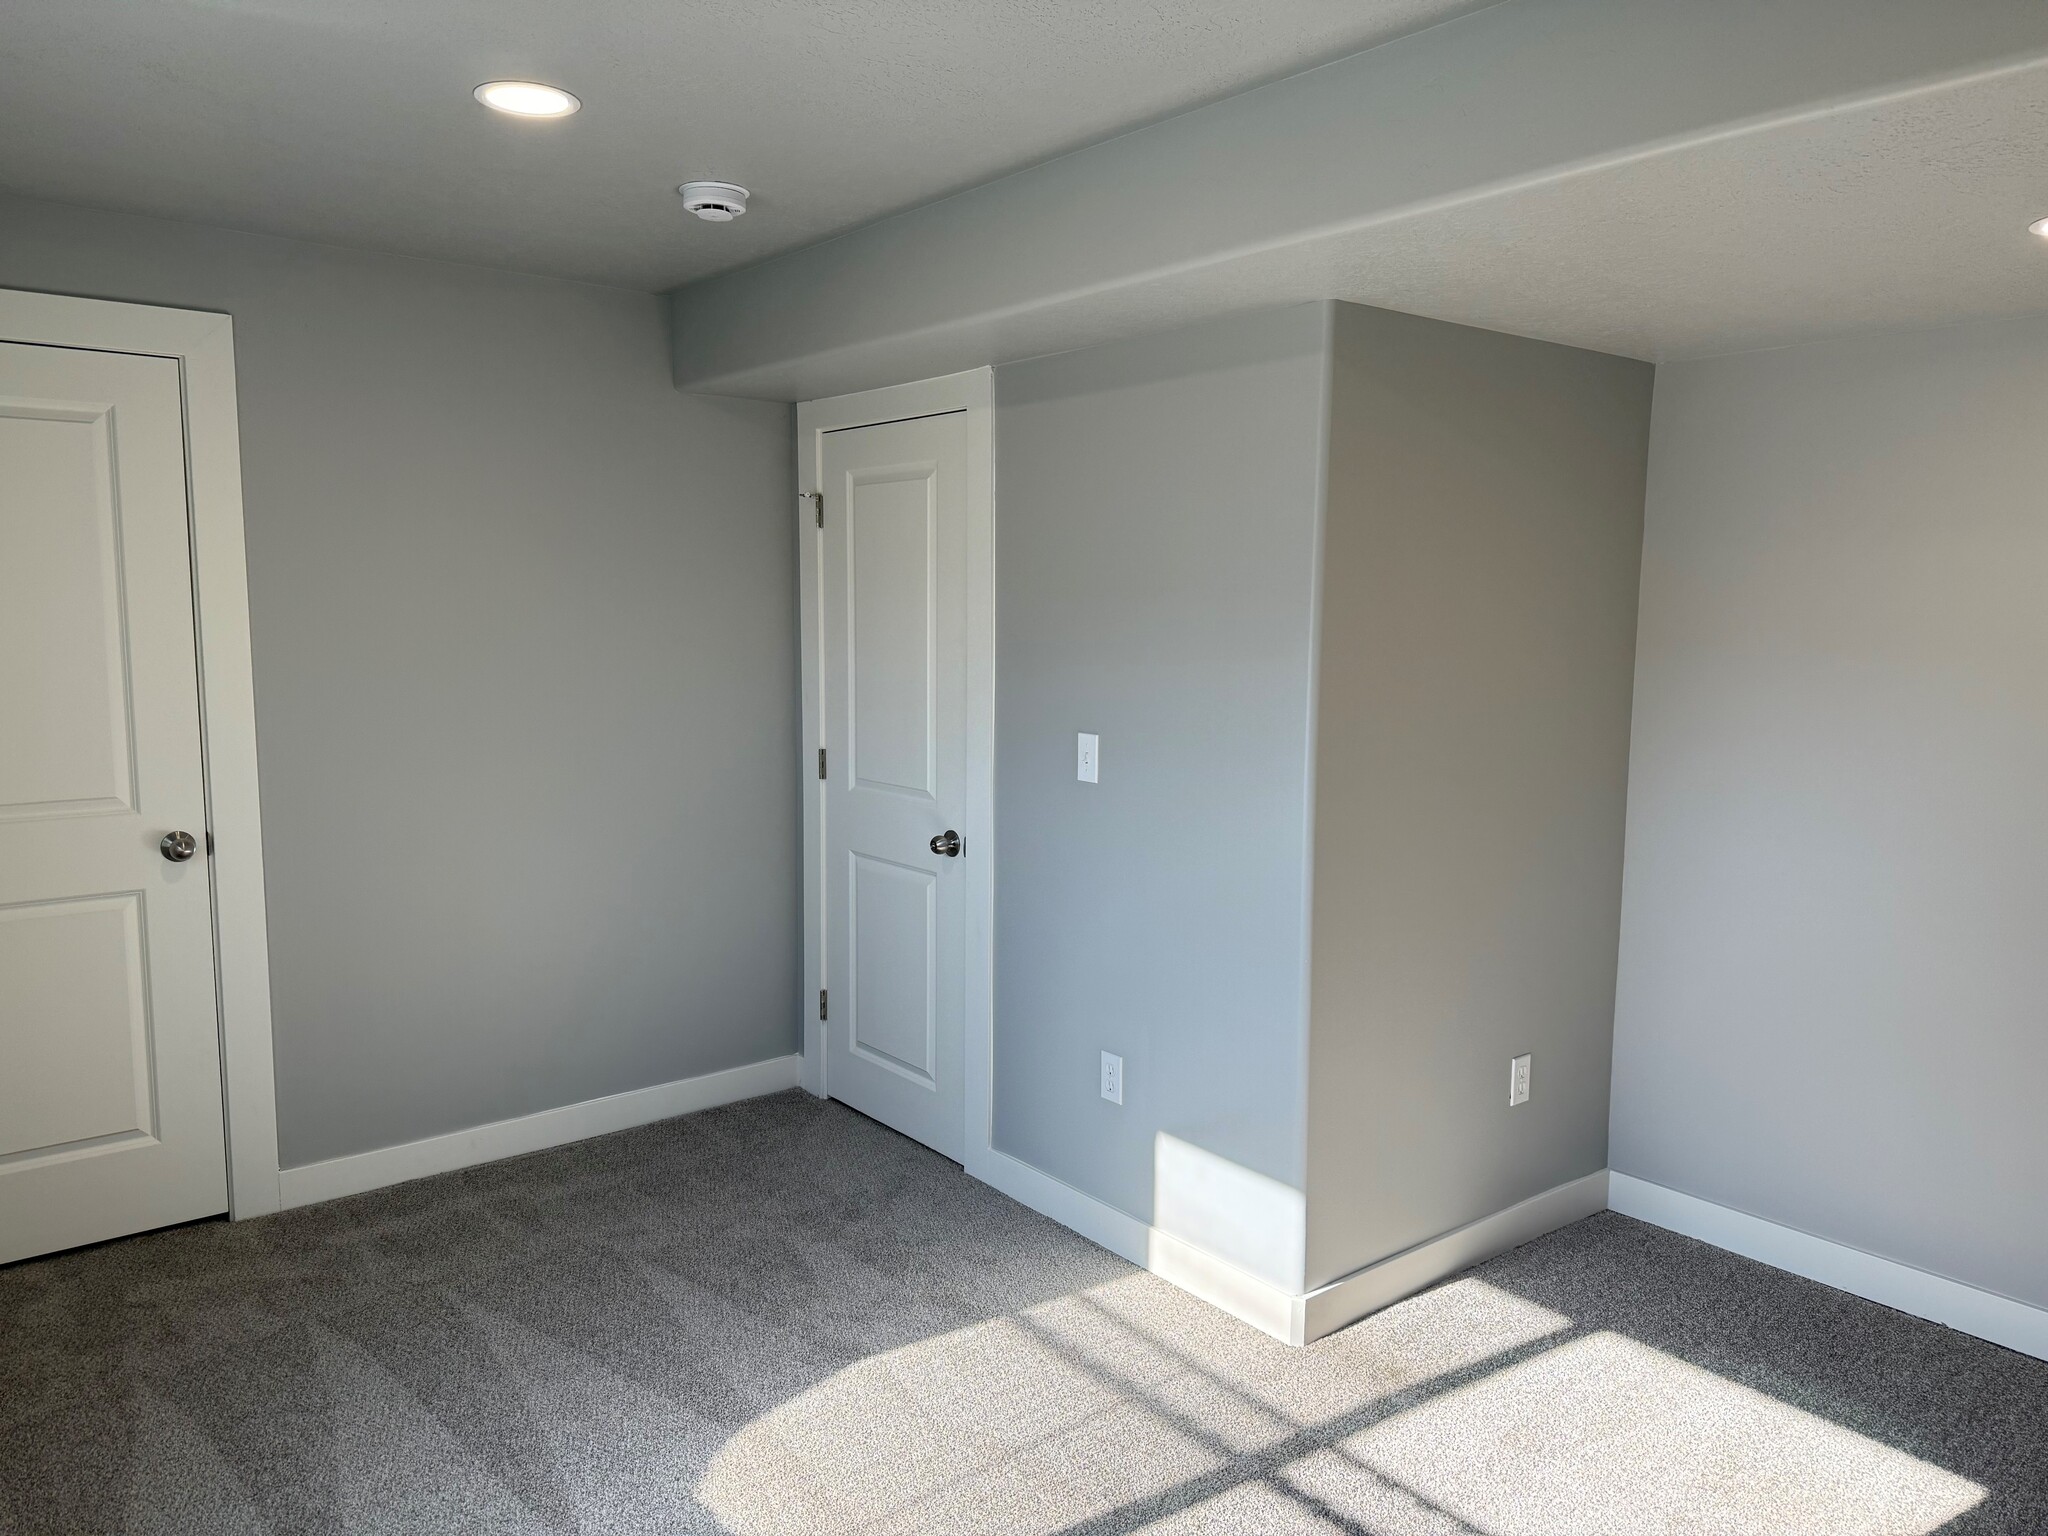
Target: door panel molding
[
  {"x": 869, "y": 632},
  {"x": 51, "y": 1112},
  {"x": 922, "y": 886},
  {"x": 972, "y": 395},
  {"x": 103, "y": 631},
  {"x": 202, "y": 344}
]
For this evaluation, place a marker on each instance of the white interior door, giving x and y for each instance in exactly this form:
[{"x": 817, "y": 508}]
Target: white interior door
[
  {"x": 110, "y": 1085},
  {"x": 894, "y": 701}
]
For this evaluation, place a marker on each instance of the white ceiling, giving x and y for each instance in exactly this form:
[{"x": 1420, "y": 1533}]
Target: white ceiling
[
  {"x": 1907, "y": 212},
  {"x": 1643, "y": 177},
  {"x": 1911, "y": 211},
  {"x": 351, "y": 121}
]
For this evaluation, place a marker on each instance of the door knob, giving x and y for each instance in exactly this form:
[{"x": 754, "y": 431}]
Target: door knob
[
  {"x": 178, "y": 846},
  {"x": 947, "y": 843}
]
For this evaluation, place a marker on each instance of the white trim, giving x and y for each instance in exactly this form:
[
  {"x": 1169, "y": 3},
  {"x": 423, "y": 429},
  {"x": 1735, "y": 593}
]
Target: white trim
[
  {"x": 1330, "y": 1307},
  {"x": 1304, "y": 1319},
  {"x": 1097, "y": 1220},
  {"x": 1289, "y": 1318},
  {"x": 339, "y": 1176},
  {"x": 1223, "y": 1285},
  {"x": 1967, "y": 1308},
  {"x": 971, "y": 393},
  {"x": 203, "y": 345},
  {"x": 1195, "y": 1270}
]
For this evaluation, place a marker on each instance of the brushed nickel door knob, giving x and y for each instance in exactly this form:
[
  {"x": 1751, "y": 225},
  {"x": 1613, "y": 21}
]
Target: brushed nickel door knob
[
  {"x": 178, "y": 846},
  {"x": 947, "y": 843}
]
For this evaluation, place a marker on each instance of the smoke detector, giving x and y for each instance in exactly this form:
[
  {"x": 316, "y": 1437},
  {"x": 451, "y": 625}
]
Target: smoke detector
[{"x": 719, "y": 201}]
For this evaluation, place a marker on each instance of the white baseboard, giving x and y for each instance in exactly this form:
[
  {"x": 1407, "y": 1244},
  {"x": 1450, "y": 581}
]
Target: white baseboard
[
  {"x": 1966, "y": 1308},
  {"x": 1097, "y": 1220},
  {"x": 353, "y": 1175},
  {"x": 1248, "y": 1298},
  {"x": 1341, "y": 1302},
  {"x": 1290, "y": 1318},
  {"x": 1221, "y": 1284},
  {"x": 1303, "y": 1319},
  {"x": 1287, "y": 1317}
]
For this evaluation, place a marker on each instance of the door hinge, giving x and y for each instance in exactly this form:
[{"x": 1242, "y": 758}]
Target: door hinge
[
  {"x": 817, "y": 501},
  {"x": 822, "y": 1015},
  {"x": 821, "y": 762}
]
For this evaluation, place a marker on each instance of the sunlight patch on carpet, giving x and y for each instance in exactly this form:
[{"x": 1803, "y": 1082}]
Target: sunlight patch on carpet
[{"x": 1604, "y": 1436}]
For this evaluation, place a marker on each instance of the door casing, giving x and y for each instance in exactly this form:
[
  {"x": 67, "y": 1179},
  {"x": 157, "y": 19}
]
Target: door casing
[
  {"x": 971, "y": 394},
  {"x": 203, "y": 346}
]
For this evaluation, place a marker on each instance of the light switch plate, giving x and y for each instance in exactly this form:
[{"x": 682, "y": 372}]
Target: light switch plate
[{"x": 1087, "y": 756}]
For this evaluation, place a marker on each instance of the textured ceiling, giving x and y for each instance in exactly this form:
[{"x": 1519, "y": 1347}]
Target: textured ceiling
[
  {"x": 1906, "y": 205},
  {"x": 352, "y": 122},
  {"x": 1907, "y": 212}
]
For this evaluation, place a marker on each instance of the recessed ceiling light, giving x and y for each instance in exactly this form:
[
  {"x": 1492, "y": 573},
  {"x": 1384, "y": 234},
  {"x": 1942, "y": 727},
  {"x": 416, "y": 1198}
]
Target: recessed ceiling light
[
  {"x": 2039, "y": 227},
  {"x": 526, "y": 98}
]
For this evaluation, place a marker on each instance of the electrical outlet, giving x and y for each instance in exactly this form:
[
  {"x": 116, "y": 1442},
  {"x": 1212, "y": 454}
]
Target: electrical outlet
[
  {"x": 1087, "y": 756},
  {"x": 1112, "y": 1078},
  {"x": 1518, "y": 1081}
]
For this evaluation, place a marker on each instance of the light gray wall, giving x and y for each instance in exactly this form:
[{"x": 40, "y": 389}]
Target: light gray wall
[
  {"x": 1154, "y": 567},
  {"x": 1477, "y": 646},
  {"x": 1833, "y": 966},
  {"x": 523, "y": 633}
]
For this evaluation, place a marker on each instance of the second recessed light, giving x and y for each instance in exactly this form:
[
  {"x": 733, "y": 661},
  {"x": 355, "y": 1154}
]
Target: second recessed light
[{"x": 526, "y": 98}]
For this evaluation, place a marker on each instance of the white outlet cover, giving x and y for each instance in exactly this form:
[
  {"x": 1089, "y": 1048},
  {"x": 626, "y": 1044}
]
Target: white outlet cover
[
  {"x": 1087, "y": 757},
  {"x": 1518, "y": 1081},
  {"x": 1112, "y": 1078}
]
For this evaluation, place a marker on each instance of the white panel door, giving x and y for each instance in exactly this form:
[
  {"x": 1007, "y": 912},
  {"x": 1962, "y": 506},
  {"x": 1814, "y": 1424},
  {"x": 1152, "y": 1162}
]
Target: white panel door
[
  {"x": 895, "y": 717},
  {"x": 110, "y": 1087}
]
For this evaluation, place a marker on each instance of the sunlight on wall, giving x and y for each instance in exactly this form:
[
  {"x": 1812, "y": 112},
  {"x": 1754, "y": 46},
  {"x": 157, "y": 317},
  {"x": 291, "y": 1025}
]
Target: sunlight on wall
[{"x": 1256, "y": 1223}]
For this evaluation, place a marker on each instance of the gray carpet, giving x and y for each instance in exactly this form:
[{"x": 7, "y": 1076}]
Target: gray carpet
[{"x": 778, "y": 1317}]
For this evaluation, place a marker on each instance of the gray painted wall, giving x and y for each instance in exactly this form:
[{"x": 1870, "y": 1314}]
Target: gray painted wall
[
  {"x": 1154, "y": 567},
  {"x": 1403, "y": 551},
  {"x": 1830, "y": 1009},
  {"x": 524, "y": 642},
  {"x": 1477, "y": 648}
]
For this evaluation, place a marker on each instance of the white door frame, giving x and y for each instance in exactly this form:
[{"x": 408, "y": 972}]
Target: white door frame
[
  {"x": 970, "y": 393},
  {"x": 203, "y": 346}
]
